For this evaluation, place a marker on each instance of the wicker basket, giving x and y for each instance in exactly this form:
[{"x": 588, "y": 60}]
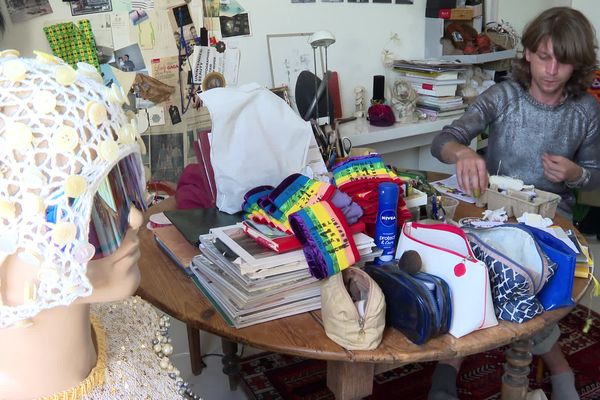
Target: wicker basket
[{"x": 506, "y": 42}]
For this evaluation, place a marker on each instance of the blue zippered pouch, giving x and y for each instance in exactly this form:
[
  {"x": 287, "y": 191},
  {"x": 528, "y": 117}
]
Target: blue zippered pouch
[{"x": 558, "y": 291}]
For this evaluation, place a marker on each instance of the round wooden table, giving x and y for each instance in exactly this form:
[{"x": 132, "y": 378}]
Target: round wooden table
[{"x": 349, "y": 373}]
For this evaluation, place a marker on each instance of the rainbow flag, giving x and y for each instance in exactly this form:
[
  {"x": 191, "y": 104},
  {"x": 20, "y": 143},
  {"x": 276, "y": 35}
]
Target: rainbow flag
[{"x": 326, "y": 240}]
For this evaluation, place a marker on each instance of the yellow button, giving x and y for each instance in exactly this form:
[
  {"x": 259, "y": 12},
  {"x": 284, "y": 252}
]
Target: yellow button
[
  {"x": 142, "y": 145},
  {"x": 127, "y": 134},
  {"x": 75, "y": 186},
  {"x": 65, "y": 75},
  {"x": 64, "y": 232},
  {"x": 65, "y": 138},
  {"x": 7, "y": 209},
  {"x": 96, "y": 112},
  {"x": 88, "y": 71},
  {"x": 109, "y": 150},
  {"x": 46, "y": 58},
  {"x": 116, "y": 94},
  {"x": 32, "y": 204},
  {"x": 15, "y": 70},
  {"x": 10, "y": 53},
  {"x": 44, "y": 102},
  {"x": 18, "y": 135}
]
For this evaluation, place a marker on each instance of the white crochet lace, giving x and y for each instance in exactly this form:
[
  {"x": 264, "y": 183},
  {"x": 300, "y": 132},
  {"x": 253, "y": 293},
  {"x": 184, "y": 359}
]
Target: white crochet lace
[{"x": 36, "y": 162}]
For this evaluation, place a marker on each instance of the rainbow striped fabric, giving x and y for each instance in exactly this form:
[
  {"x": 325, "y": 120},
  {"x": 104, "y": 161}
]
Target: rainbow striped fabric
[
  {"x": 327, "y": 244},
  {"x": 294, "y": 193},
  {"x": 360, "y": 168}
]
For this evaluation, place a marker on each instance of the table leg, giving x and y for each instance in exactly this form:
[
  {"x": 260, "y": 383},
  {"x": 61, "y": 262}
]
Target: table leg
[
  {"x": 350, "y": 380},
  {"x": 514, "y": 381},
  {"x": 193, "y": 335},
  {"x": 231, "y": 362}
]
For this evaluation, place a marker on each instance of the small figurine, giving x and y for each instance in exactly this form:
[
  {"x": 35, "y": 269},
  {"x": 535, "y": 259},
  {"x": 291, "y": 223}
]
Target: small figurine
[
  {"x": 359, "y": 101},
  {"x": 404, "y": 101}
]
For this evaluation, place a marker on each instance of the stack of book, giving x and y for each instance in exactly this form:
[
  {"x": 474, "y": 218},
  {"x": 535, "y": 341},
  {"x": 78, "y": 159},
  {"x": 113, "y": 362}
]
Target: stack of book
[
  {"x": 436, "y": 83},
  {"x": 249, "y": 283}
]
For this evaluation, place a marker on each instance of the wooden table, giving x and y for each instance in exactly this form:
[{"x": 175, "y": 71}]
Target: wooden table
[{"x": 349, "y": 373}]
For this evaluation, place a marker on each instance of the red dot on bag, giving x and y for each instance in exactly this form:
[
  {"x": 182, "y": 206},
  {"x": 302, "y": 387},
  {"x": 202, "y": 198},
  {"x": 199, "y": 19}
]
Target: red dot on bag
[{"x": 460, "y": 269}]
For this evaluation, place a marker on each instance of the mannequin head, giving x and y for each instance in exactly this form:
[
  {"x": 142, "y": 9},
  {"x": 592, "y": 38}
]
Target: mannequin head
[{"x": 71, "y": 179}]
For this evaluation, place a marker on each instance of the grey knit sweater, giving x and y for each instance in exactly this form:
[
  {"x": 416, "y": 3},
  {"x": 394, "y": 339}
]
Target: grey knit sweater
[{"x": 521, "y": 129}]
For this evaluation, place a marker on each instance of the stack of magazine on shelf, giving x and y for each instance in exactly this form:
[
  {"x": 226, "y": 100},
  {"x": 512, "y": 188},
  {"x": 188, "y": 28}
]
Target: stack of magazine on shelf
[{"x": 249, "y": 283}]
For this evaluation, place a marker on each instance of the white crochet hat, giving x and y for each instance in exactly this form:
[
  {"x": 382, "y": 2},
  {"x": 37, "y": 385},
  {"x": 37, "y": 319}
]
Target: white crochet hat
[{"x": 61, "y": 132}]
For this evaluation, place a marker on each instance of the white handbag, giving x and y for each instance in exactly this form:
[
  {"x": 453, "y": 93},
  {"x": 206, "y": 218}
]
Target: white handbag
[{"x": 445, "y": 252}]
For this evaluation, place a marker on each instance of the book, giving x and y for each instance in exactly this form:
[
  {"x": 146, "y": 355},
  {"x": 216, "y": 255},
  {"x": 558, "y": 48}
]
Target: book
[
  {"x": 434, "y": 90},
  {"x": 429, "y": 81},
  {"x": 194, "y": 222},
  {"x": 172, "y": 242},
  {"x": 440, "y": 114},
  {"x": 279, "y": 241},
  {"x": 256, "y": 256},
  {"x": 438, "y": 76}
]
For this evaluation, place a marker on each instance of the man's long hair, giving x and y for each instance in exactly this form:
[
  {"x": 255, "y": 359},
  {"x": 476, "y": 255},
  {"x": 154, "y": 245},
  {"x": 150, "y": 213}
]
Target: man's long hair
[{"x": 574, "y": 42}]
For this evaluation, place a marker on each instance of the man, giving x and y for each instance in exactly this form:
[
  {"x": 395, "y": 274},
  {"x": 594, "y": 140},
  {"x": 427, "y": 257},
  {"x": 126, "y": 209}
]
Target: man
[
  {"x": 543, "y": 129},
  {"x": 128, "y": 65}
]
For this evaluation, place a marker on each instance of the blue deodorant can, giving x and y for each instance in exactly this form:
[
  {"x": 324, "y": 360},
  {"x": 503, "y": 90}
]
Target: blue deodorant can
[{"x": 386, "y": 226}]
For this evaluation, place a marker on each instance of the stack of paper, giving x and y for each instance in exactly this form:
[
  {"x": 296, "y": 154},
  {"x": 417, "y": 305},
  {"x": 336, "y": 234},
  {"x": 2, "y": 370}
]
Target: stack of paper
[{"x": 249, "y": 284}]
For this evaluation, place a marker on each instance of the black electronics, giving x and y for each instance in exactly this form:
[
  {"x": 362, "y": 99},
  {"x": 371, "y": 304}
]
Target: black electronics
[
  {"x": 309, "y": 87},
  {"x": 378, "y": 85}
]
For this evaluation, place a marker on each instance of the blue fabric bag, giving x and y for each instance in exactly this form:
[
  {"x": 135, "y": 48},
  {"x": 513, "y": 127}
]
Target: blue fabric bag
[
  {"x": 518, "y": 269},
  {"x": 557, "y": 292}
]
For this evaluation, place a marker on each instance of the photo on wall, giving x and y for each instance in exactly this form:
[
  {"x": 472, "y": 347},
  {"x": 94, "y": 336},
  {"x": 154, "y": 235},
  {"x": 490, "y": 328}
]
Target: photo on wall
[
  {"x": 166, "y": 160},
  {"x": 23, "y": 10},
  {"x": 190, "y": 153},
  {"x": 129, "y": 59},
  {"x": 82, "y": 7},
  {"x": 238, "y": 25},
  {"x": 358, "y": 1},
  {"x": 184, "y": 30}
]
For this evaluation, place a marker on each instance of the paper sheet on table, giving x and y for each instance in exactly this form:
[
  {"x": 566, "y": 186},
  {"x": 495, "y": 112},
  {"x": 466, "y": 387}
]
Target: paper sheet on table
[{"x": 449, "y": 187}]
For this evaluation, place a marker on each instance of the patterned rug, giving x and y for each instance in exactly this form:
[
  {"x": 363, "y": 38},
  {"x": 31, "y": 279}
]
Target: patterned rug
[{"x": 269, "y": 376}]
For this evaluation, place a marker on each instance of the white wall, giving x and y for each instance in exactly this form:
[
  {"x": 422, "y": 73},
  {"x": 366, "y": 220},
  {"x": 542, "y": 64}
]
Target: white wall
[{"x": 362, "y": 31}]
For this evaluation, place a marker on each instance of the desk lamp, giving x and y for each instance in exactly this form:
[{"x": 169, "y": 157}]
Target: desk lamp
[{"x": 320, "y": 40}]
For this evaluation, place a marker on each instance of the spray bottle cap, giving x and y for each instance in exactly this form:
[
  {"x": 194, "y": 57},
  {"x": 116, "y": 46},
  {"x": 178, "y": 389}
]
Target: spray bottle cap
[{"x": 388, "y": 192}]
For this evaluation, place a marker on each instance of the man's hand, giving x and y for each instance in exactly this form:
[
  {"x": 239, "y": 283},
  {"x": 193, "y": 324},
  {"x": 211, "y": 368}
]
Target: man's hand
[
  {"x": 560, "y": 169},
  {"x": 471, "y": 171}
]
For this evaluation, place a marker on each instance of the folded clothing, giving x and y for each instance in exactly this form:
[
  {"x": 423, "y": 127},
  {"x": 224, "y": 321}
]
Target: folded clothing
[
  {"x": 360, "y": 176},
  {"x": 272, "y": 206},
  {"x": 326, "y": 240}
]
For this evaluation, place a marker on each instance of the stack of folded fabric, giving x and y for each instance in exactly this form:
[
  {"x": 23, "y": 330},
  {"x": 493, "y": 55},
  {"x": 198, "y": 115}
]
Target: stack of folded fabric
[
  {"x": 273, "y": 206},
  {"x": 359, "y": 177}
]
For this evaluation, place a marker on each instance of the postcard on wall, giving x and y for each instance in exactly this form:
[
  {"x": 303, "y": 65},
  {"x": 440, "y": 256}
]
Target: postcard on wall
[
  {"x": 166, "y": 160},
  {"x": 166, "y": 70},
  {"x": 231, "y": 8},
  {"x": 238, "y": 25},
  {"x": 24, "y": 10},
  {"x": 129, "y": 59},
  {"x": 81, "y": 7}
]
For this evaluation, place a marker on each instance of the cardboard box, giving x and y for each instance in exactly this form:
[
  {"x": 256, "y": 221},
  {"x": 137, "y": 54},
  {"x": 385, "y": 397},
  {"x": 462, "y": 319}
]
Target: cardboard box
[{"x": 464, "y": 14}]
